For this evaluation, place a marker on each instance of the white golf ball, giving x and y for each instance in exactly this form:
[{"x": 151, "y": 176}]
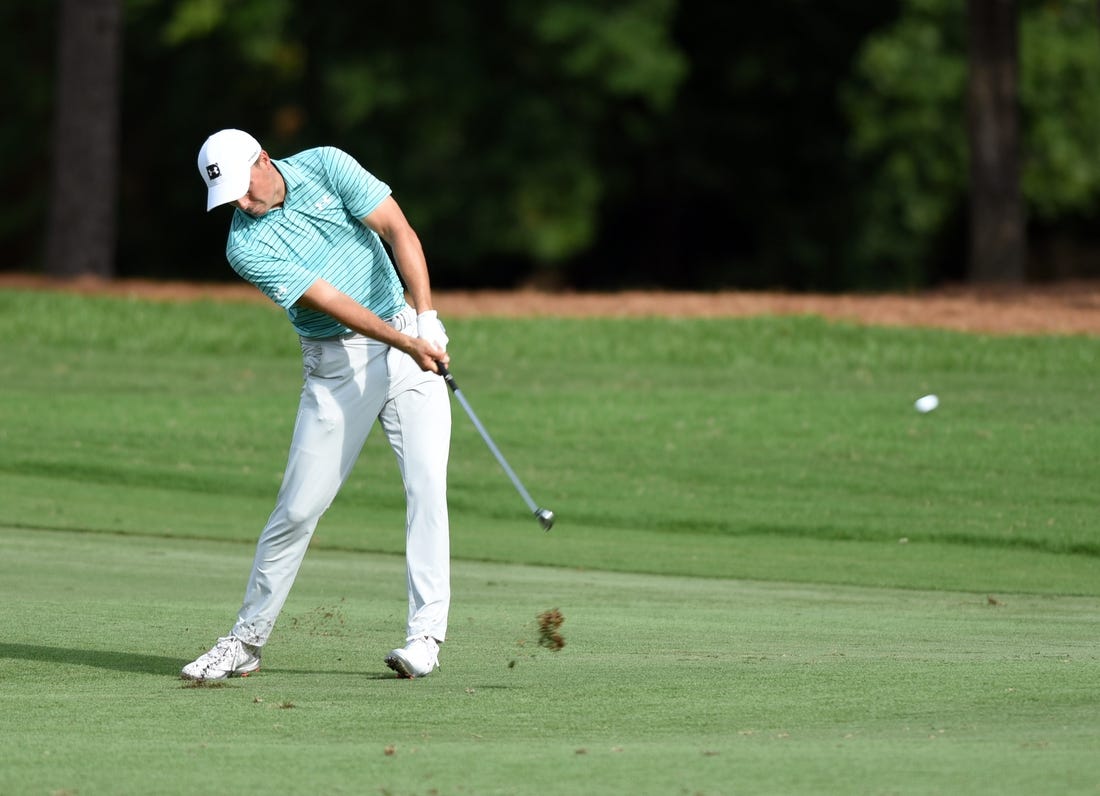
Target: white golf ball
[{"x": 926, "y": 403}]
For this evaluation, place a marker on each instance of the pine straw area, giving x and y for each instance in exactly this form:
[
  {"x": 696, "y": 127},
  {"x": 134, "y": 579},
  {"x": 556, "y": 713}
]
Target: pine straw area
[{"x": 1062, "y": 308}]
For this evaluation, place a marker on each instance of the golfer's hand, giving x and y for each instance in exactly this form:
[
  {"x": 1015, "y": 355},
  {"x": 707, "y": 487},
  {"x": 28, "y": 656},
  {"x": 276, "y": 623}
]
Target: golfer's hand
[
  {"x": 431, "y": 328},
  {"x": 426, "y": 354}
]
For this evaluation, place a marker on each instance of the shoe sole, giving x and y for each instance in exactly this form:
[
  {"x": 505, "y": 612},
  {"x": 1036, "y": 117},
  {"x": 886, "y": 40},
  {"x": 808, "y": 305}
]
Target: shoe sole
[
  {"x": 400, "y": 666},
  {"x": 184, "y": 676},
  {"x": 403, "y": 669}
]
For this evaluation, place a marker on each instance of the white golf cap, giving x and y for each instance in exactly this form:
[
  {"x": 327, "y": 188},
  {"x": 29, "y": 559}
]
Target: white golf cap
[{"x": 225, "y": 163}]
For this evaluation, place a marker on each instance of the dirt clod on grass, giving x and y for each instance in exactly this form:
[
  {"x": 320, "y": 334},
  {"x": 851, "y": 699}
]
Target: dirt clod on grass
[{"x": 549, "y": 630}]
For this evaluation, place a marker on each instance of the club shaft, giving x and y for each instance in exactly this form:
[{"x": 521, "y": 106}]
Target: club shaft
[{"x": 489, "y": 441}]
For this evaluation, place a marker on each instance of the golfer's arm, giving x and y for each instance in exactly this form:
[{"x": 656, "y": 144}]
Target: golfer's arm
[
  {"x": 323, "y": 297},
  {"x": 390, "y": 223}
]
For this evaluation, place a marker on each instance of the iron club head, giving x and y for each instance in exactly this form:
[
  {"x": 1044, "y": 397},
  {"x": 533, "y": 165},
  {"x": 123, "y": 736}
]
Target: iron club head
[{"x": 545, "y": 518}]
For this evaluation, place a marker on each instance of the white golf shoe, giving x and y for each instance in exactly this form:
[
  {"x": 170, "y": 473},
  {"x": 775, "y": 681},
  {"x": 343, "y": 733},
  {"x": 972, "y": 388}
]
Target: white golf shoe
[
  {"x": 229, "y": 657},
  {"x": 416, "y": 659}
]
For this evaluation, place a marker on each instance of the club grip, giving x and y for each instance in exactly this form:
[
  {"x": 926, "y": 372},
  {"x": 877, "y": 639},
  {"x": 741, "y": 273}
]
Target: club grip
[{"x": 446, "y": 374}]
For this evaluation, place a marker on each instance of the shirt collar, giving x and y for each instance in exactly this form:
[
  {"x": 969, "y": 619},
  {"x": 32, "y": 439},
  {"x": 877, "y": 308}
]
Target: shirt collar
[{"x": 293, "y": 178}]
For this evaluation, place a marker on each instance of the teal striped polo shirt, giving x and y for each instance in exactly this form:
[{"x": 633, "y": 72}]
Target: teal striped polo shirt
[{"x": 317, "y": 233}]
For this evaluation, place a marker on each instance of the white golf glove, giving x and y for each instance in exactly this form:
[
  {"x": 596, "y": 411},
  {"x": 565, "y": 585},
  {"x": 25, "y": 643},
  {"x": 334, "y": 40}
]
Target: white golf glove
[{"x": 428, "y": 327}]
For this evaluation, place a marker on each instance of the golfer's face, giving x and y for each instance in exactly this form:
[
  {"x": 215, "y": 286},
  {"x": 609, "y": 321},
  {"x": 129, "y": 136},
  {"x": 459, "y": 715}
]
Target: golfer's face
[{"x": 262, "y": 189}]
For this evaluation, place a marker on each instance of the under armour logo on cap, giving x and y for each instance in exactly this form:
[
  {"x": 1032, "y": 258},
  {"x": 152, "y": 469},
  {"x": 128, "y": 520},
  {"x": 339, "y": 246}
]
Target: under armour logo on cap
[{"x": 213, "y": 172}]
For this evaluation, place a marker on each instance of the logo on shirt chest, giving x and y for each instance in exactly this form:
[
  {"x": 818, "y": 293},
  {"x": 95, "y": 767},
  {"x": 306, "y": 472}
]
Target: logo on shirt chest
[{"x": 326, "y": 200}]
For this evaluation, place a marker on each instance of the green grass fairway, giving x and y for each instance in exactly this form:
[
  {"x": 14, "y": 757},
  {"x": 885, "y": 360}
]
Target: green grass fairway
[
  {"x": 777, "y": 577},
  {"x": 666, "y": 684}
]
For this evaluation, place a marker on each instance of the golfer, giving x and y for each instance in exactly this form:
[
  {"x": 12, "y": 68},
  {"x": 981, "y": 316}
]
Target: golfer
[{"x": 307, "y": 231}]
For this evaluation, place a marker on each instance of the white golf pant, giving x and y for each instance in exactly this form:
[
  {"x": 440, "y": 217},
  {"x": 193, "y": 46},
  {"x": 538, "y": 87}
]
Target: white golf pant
[{"x": 349, "y": 382}]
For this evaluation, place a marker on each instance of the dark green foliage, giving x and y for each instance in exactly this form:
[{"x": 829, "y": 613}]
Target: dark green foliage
[
  {"x": 906, "y": 105},
  {"x": 647, "y": 142},
  {"x": 688, "y": 144}
]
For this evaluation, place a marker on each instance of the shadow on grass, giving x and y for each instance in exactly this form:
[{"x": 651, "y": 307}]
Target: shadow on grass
[
  {"x": 138, "y": 664},
  {"x": 101, "y": 659}
]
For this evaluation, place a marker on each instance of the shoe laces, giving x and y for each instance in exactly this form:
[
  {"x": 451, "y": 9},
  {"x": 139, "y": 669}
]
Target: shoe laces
[
  {"x": 232, "y": 650},
  {"x": 225, "y": 647}
]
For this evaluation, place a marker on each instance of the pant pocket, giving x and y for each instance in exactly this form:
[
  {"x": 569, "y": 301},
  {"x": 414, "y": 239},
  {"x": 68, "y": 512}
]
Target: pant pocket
[{"x": 312, "y": 354}]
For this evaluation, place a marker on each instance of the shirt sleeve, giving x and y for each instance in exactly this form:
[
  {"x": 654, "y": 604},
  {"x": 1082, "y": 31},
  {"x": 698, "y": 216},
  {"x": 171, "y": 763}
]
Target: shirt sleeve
[
  {"x": 360, "y": 191},
  {"x": 280, "y": 280}
]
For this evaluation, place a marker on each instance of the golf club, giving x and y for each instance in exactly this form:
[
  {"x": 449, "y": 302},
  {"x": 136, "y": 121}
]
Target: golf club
[{"x": 544, "y": 516}]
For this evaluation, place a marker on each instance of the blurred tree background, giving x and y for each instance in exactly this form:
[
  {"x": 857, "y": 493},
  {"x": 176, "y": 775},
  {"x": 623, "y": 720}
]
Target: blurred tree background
[{"x": 692, "y": 144}]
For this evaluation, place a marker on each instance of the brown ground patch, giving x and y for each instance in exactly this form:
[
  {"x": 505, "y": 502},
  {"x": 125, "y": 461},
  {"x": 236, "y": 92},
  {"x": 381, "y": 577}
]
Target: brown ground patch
[{"x": 1065, "y": 308}]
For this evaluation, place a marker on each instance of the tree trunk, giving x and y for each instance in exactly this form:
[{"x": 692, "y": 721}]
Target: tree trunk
[
  {"x": 83, "y": 189},
  {"x": 998, "y": 238}
]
